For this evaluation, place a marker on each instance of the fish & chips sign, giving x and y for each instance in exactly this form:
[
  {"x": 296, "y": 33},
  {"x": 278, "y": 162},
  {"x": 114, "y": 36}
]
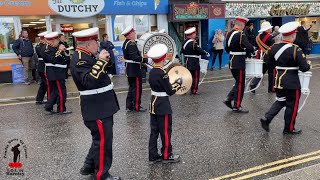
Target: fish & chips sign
[{"x": 77, "y": 8}]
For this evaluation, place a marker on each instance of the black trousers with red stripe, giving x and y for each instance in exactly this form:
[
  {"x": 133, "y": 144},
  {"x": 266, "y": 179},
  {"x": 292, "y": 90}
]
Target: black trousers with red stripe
[
  {"x": 58, "y": 95},
  {"x": 100, "y": 152},
  {"x": 133, "y": 101},
  {"x": 288, "y": 98},
  {"x": 236, "y": 93},
  {"x": 195, "y": 80},
  {"x": 271, "y": 74},
  {"x": 160, "y": 125},
  {"x": 43, "y": 87}
]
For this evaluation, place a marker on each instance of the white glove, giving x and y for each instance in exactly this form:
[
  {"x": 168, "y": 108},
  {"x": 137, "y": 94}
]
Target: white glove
[
  {"x": 150, "y": 61},
  {"x": 208, "y": 54}
]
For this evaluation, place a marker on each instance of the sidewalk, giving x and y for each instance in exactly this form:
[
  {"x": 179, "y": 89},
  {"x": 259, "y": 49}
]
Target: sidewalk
[
  {"x": 310, "y": 173},
  {"x": 21, "y": 92}
]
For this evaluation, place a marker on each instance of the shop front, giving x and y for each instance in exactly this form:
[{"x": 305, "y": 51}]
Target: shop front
[{"x": 111, "y": 16}]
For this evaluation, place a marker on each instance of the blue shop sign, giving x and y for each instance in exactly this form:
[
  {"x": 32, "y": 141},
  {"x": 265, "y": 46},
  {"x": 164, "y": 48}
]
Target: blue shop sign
[{"x": 123, "y": 7}]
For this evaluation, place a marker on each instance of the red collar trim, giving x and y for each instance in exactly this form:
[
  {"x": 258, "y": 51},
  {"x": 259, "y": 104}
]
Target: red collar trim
[
  {"x": 42, "y": 42},
  {"x": 235, "y": 28},
  {"x": 83, "y": 50},
  {"x": 287, "y": 41},
  {"x": 157, "y": 66},
  {"x": 50, "y": 44}
]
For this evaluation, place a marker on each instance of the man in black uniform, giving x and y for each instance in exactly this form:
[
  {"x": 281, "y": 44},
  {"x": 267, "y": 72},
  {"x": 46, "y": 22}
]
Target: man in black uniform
[
  {"x": 98, "y": 102},
  {"x": 264, "y": 41},
  {"x": 192, "y": 53},
  {"x": 160, "y": 108},
  {"x": 44, "y": 83},
  {"x": 238, "y": 46},
  {"x": 134, "y": 62},
  {"x": 288, "y": 58},
  {"x": 55, "y": 61}
]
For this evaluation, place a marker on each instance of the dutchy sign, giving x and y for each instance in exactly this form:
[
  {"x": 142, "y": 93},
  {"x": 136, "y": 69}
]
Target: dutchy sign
[
  {"x": 77, "y": 8},
  {"x": 277, "y": 10}
]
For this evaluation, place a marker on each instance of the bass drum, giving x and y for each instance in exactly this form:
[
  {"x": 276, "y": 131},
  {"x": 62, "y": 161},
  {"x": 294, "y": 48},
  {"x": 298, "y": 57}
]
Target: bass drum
[
  {"x": 147, "y": 40},
  {"x": 176, "y": 71}
]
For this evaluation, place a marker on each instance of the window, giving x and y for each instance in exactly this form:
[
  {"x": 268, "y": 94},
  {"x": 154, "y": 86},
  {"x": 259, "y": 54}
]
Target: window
[
  {"x": 141, "y": 24},
  {"x": 7, "y": 34},
  {"x": 120, "y": 23}
]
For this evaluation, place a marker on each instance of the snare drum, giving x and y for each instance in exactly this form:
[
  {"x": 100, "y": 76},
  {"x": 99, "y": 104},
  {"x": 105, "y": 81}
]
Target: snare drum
[
  {"x": 304, "y": 78},
  {"x": 254, "y": 68}
]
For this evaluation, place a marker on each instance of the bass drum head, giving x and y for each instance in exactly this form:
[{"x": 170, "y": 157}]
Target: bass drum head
[
  {"x": 147, "y": 40},
  {"x": 177, "y": 72}
]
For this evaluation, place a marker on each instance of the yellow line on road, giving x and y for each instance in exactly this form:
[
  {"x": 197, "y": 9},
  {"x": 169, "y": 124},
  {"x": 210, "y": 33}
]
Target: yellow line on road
[
  {"x": 266, "y": 165},
  {"x": 278, "y": 167}
]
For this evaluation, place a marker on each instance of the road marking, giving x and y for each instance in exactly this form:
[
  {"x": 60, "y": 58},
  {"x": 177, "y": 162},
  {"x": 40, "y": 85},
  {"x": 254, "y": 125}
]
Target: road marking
[
  {"x": 266, "y": 165},
  {"x": 266, "y": 171}
]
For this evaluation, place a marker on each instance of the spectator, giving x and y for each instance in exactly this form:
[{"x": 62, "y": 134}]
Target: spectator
[
  {"x": 276, "y": 34},
  {"x": 108, "y": 46},
  {"x": 302, "y": 36},
  {"x": 250, "y": 33},
  {"x": 217, "y": 47},
  {"x": 24, "y": 50},
  {"x": 62, "y": 39}
]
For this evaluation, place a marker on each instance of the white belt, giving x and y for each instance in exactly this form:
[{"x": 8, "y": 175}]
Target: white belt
[
  {"x": 193, "y": 56},
  {"x": 131, "y": 61},
  {"x": 287, "y": 68},
  {"x": 237, "y": 53},
  {"x": 40, "y": 59},
  {"x": 96, "y": 91},
  {"x": 159, "y": 94},
  {"x": 56, "y": 65}
]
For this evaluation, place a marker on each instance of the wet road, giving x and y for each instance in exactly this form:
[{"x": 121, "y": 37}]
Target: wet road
[{"x": 211, "y": 140}]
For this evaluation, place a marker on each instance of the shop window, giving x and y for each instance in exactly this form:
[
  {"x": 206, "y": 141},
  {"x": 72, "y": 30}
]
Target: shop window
[
  {"x": 120, "y": 23},
  {"x": 34, "y": 25},
  {"x": 7, "y": 34},
  {"x": 141, "y": 24}
]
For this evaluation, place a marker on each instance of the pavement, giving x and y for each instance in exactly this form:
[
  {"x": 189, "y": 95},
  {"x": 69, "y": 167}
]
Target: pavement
[
  {"x": 310, "y": 173},
  {"x": 214, "y": 143}
]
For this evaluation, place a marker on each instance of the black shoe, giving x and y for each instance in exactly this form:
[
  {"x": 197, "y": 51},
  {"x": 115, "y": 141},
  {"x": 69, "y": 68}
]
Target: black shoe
[
  {"x": 51, "y": 111},
  {"x": 265, "y": 124},
  {"x": 293, "y": 132},
  {"x": 113, "y": 178},
  {"x": 87, "y": 170},
  {"x": 172, "y": 159},
  {"x": 141, "y": 109},
  {"x": 65, "y": 112},
  {"x": 158, "y": 159},
  {"x": 40, "y": 102},
  {"x": 240, "y": 110},
  {"x": 228, "y": 103}
]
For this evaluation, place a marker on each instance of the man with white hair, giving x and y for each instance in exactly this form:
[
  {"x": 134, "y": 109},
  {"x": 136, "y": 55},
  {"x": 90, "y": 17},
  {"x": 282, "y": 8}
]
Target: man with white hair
[
  {"x": 264, "y": 41},
  {"x": 239, "y": 48},
  {"x": 288, "y": 58},
  {"x": 277, "y": 36}
]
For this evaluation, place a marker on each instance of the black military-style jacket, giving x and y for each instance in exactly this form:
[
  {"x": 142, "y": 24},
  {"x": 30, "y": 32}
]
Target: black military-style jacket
[
  {"x": 267, "y": 44},
  {"x": 291, "y": 57},
  {"x": 41, "y": 64},
  {"x": 191, "y": 47},
  {"x": 131, "y": 52},
  {"x": 89, "y": 73},
  {"x": 159, "y": 82},
  {"x": 238, "y": 43},
  {"x": 51, "y": 55}
]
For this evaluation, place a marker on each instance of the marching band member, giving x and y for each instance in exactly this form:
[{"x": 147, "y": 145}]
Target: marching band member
[
  {"x": 98, "y": 102},
  {"x": 44, "y": 83},
  {"x": 160, "y": 108},
  {"x": 55, "y": 62},
  {"x": 134, "y": 70},
  {"x": 288, "y": 58},
  {"x": 192, "y": 53},
  {"x": 264, "y": 41},
  {"x": 238, "y": 46}
]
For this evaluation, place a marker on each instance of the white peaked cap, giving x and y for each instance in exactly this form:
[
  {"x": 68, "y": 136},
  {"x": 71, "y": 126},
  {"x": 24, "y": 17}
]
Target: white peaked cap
[
  {"x": 242, "y": 19},
  {"x": 127, "y": 30},
  {"x": 289, "y": 28},
  {"x": 42, "y": 34},
  {"x": 51, "y": 36},
  {"x": 265, "y": 26},
  {"x": 87, "y": 34},
  {"x": 190, "y": 31},
  {"x": 157, "y": 51}
]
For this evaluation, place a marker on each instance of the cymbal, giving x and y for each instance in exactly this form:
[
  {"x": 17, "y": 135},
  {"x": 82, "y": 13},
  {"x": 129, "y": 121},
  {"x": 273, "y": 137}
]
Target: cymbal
[{"x": 181, "y": 72}]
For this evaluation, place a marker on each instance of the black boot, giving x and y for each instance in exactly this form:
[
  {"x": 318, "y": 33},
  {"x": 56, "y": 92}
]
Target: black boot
[
  {"x": 87, "y": 170},
  {"x": 172, "y": 159},
  {"x": 294, "y": 132},
  {"x": 228, "y": 103},
  {"x": 240, "y": 110},
  {"x": 265, "y": 124}
]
